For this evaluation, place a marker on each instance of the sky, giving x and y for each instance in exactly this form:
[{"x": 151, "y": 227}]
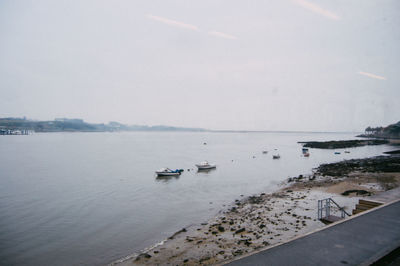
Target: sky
[{"x": 301, "y": 65}]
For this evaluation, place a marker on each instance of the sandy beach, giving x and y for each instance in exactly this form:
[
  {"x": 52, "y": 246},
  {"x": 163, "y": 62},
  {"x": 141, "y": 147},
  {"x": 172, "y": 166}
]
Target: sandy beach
[{"x": 261, "y": 221}]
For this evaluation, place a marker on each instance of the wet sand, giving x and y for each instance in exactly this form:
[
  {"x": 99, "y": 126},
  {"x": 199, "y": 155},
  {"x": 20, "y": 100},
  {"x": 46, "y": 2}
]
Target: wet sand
[{"x": 260, "y": 221}]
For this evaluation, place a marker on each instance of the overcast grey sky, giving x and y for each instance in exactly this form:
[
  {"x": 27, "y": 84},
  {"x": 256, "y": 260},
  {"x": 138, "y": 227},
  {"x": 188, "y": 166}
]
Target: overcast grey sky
[{"x": 219, "y": 64}]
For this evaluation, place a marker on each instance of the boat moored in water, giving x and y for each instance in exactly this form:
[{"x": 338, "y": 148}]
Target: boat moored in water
[
  {"x": 168, "y": 172},
  {"x": 205, "y": 165},
  {"x": 276, "y": 156}
]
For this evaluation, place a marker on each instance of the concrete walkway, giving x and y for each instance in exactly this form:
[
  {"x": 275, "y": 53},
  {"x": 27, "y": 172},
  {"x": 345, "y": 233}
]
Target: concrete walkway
[
  {"x": 387, "y": 196},
  {"x": 360, "y": 240}
]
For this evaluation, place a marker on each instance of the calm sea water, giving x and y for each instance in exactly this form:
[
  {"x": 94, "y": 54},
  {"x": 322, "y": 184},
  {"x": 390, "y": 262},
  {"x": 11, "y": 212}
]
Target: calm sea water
[{"x": 92, "y": 198}]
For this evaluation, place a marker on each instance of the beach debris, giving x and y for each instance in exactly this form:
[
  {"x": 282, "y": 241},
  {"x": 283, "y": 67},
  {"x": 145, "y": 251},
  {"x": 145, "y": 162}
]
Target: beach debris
[
  {"x": 189, "y": 239},
  {"x": 297, "y": 179},
  {"x": 240, "y": 230},
  {"x": 143, "y": 256},
  {"x": 204, "y": 259},
  {"x": 237, "y": 252},
  {"x": 183, "y": 230},
  {"x": 255, "y": 200}
]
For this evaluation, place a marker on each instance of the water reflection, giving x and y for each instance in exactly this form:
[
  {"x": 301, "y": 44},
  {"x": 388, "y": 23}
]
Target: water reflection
[
  {"x": 166, "y": 178},
  {"x": 206, "y": 171}
]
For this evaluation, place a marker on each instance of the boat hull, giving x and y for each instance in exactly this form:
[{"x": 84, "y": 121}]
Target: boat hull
[
  {"x": 167, "y": 174},
  {"x": 205, "y": 167}
]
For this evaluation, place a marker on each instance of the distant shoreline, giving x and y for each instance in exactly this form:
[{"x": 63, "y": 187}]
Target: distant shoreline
[{"x": 79, "y": 125}]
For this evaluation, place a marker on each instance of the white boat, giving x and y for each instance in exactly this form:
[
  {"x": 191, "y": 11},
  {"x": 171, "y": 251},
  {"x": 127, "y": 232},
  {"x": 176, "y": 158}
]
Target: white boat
[
  {"x": 276, "y": 156},
  {"x": 205, "y": 165},
  {"x": 168, "y": 172}
]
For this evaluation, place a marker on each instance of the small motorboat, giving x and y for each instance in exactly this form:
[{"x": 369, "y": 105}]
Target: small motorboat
[
  {"x": 168, "y": 172},
  {"x": 265, "y": 152},
  {"x": 305, "y": 150},
  {"x": 205, "y": 165},
  {"x": 336, "y": 152},
  {"x": 346, "y": 152},
  {"x": 306, "y": 154},
  {"x": 276, "y": 156}
]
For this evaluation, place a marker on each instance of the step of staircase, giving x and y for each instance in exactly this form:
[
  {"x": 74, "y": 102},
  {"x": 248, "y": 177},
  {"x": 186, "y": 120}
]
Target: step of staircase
[
  {"x": 331, "y": 219},
  {"x": 364, "y": 205},
  {"x": 368, "y": 202}
]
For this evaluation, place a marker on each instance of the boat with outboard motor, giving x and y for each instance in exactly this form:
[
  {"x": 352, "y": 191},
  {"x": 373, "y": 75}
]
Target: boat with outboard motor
[{"x": 168, "y": 172}]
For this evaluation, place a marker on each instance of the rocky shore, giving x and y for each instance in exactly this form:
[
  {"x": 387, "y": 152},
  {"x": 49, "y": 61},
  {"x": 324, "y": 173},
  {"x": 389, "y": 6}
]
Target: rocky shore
[
  {"x": 342, "y": 144},
  {"x": 378, "y": 164},
  {"x": 261, "y": 221}
]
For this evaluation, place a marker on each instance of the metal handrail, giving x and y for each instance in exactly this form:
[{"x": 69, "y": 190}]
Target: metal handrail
[
  {"x": 340, "y": 208},
  {"x": 327, "y": 208}
]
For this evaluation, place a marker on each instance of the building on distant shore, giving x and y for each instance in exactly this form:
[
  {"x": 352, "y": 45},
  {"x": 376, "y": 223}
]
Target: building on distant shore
[
  {"x": 15, "y": 132},
  {"x": 74, "y": 120}
]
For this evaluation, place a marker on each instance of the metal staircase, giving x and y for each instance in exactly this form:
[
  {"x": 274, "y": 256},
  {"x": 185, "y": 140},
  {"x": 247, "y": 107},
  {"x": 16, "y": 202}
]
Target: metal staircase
[{"x": 328, "y": 211}]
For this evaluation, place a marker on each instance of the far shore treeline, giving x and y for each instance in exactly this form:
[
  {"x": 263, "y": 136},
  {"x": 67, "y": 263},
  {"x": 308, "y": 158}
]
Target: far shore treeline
[
  {"x": 390, "y": 132},
  {"x": 8, "y": 125},
  {"x": 78, "y": 125}
]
